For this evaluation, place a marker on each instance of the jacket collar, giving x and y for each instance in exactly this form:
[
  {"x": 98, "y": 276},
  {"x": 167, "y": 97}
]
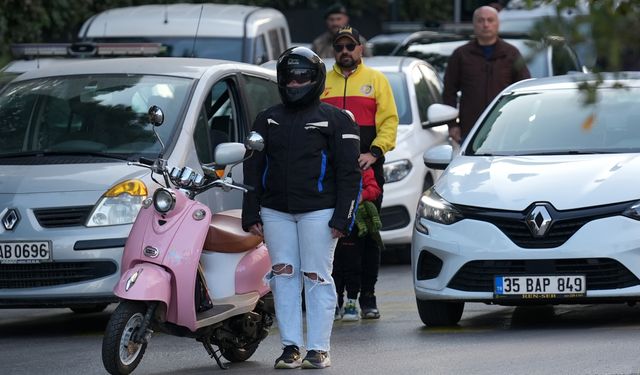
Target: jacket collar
[
  {"x": 499, "y": 50},
  {"x": 355, "y": 71}
]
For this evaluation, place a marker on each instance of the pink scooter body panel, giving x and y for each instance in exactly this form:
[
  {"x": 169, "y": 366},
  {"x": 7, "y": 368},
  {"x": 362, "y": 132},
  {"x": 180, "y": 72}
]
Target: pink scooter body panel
[
  {"x": 251, "y": 271},
  {"x": 178, "y": 239},
  {"x": 153, "y": 283}
]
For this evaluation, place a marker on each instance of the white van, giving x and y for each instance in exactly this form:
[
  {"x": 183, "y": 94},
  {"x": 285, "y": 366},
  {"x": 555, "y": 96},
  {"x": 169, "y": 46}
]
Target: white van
[{"x": 219, "y": 31}]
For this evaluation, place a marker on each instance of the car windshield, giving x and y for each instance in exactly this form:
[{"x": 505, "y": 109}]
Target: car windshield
[
  {"x": 437, "y": 54},
  {"x": 5, "y": 78},
  {"x": 557, "y": 122},
  {"x": 89, "y": 114},
  {"x": 401, "y": 96},
  {"x": 204, "y": 47}
]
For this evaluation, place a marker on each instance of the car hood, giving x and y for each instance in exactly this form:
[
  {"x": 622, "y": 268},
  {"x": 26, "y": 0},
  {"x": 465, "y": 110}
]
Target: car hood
[
  {"x": 567, "y": 182},
  {"x": 18, "y": 179}
]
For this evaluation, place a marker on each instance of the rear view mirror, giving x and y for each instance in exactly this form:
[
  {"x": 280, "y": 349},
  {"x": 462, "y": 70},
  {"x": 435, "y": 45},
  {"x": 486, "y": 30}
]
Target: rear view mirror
[
  {"x": 440, "y": 114},
  {"x": 438, "y": 157},
  {"x": 229, "y": 153},
  {"x": 156, "y": 116},
  {"x": 254, "y": 142}
]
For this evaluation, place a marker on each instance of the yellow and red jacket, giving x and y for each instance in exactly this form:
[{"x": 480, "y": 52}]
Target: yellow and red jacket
[{"x": 366, "y": 92}]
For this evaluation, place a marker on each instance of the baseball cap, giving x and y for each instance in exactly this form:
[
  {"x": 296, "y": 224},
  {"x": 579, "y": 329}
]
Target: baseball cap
[
  {"x": 349, "y": 32},
  {"x": 336, "y": 8}
]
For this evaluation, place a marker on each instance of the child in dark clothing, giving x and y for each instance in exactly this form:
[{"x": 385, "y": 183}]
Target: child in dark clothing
[{"x": 347, "y": 262}]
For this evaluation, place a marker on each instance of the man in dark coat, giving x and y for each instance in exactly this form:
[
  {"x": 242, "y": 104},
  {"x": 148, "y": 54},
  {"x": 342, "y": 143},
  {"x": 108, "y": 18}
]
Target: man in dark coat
[{"x": 480, "y": 69}]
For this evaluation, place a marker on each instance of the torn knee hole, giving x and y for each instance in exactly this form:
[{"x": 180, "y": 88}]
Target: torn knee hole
[
  {"x": 282, "y": 269},
  {"x": 314, "y": 277}
]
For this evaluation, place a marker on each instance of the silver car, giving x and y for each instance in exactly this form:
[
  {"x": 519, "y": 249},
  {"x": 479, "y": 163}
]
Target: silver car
[{"x": 67, "y": 195}]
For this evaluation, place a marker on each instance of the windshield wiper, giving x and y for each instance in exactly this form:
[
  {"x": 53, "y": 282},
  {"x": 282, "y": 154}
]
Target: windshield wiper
[
  {"x": 567, "y": 152},
  {"x": 41, "y": 153}
]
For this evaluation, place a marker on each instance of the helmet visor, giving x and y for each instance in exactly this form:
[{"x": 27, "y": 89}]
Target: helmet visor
[{"x": 300, "y": 75}]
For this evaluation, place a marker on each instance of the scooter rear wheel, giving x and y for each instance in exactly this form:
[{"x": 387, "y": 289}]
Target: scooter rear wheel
[
  {"x": 239, "y": 354},
  {"x": 120, "y": 355}
]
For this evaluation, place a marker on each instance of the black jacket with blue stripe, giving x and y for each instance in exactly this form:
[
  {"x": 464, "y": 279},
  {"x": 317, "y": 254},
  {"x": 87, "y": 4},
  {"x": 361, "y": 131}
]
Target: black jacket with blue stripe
[{"x": 309, "y": 163}]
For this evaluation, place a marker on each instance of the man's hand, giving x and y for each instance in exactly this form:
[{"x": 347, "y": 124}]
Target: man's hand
[
  {"x": 336, "y": 233},
  {"x": 256, "y": 230},
  {"x": 455, "y": 132},
  {"x": 366, "y": 160}
]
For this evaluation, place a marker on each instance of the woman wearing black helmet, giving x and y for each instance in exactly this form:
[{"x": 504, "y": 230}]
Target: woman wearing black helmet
[{"x": 307, "y": 182}]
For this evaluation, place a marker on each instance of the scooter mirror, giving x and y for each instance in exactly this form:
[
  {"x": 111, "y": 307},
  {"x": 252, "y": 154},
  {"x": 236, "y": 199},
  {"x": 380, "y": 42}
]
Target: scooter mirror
[
  {"x": 156, "y": 116},
  {"x": 254, "y": 141}
]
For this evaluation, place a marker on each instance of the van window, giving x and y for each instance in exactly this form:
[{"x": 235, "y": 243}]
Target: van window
[
  {"x": 261, "y": 94},
  {"x": 217, "y": 121},
  {"x": 274, "y": 43},
  {"x": 205, "y": 47},
  {"x": 260, "y": 50}
]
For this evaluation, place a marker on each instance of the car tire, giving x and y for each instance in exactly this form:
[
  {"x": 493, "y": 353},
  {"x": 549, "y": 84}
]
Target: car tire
[{"x": 439, "y": 313}]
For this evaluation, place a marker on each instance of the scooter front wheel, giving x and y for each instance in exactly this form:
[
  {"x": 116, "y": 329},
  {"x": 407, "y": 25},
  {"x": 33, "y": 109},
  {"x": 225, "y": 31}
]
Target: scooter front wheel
[{"x": 120, "y": 355}]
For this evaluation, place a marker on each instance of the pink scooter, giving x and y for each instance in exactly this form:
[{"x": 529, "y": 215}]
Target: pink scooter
[{"x": 186, "y": 272}]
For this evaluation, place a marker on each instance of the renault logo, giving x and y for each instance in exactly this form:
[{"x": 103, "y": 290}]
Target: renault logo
[
  {"x": 539, "y": 221},
  {"x": 10, "y": 219}
]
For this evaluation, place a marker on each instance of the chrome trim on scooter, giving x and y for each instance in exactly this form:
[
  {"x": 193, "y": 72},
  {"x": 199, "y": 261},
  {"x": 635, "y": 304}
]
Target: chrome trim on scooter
[
  {"x": 151, "y": 252},
  {"x": 199, "y": 214},
  {"x": 132, "y": 280}
]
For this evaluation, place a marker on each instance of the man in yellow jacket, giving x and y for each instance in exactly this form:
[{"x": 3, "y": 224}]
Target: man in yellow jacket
[{"x": 367, "y": 94}]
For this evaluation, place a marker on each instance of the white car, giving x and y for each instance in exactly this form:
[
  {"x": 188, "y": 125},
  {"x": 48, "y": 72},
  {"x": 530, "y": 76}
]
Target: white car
[
  {"x": 540, "y": 206},
  {"x": 68, "y": 196},
  {"x": 416, "y": 86}
]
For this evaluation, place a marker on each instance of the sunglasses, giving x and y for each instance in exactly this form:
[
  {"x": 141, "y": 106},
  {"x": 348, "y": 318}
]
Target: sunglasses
[{"x": 339, "y": 47}]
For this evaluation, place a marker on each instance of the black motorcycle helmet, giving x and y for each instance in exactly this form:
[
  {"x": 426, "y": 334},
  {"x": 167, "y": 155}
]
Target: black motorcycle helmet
[{"x": 302, "y": 65}]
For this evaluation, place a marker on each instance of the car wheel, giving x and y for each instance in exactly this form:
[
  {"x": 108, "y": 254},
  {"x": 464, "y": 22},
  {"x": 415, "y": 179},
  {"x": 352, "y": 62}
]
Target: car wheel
[
  {"x": 438, "y": 313},
  {"x": 88, "y": 309}
]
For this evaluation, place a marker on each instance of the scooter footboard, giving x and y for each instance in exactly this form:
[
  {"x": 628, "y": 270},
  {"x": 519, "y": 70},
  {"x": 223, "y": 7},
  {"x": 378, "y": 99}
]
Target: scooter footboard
[{"x": 145, "y": 282}]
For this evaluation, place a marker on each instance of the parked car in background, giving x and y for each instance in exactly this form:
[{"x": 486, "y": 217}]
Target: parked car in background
[
  {"x": 68, "y": 196},
  {"x": 385, "y": 44},
  {"x": 540, "y": 206},
  {"x": 550, "y": 57},
  {"x": 219, "y": 31}
]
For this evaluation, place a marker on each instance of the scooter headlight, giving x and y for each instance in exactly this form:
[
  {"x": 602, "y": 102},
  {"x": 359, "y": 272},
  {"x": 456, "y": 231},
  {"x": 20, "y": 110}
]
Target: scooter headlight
[{"x": 164, "y": 200}]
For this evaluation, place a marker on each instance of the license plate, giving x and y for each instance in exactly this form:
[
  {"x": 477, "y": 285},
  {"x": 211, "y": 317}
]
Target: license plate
[
  {"x": 25, "y": 252},
  {"x": 541, "y": 287}
]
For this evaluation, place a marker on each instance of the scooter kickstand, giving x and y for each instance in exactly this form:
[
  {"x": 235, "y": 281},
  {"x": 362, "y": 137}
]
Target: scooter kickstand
[{"x": 215, "y": 354}]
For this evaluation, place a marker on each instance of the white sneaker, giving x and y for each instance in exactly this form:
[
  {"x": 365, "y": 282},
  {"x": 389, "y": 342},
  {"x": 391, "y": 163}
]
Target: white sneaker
[{"x": 350, "y": 312}]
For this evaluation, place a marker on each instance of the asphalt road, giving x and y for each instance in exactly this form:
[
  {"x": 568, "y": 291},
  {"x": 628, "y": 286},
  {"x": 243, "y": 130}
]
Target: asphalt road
[{"x": 581, "y": 339}]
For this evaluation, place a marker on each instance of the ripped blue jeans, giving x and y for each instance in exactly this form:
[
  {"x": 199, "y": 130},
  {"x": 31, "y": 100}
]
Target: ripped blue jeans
[{"x": 301, "y": 248}]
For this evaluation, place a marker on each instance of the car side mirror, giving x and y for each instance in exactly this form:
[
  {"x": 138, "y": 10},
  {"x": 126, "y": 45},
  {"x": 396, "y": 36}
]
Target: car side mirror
[
  {"x": 438, "y": 157},
  {"x": 440, "y": 114},
  {"x": 156, "y": 115}
]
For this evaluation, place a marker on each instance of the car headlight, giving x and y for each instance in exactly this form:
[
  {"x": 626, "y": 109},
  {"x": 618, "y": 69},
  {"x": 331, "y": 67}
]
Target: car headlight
[
  {"x": 119, "y": 205},
  {"x": 396, "y": 170},
  {"x": 164, "y": 200},
  {"x": 633, "y": 211},
  {"x": 433, "y": 207}
]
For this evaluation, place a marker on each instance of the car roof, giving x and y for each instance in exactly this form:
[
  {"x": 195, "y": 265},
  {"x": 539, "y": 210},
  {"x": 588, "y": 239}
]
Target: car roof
[
  {"x": 221, "y": 20},
  {"x": 572, "y": 81},
  {"x": 173, "y": 66},
  {"x": 382, "y": 63}
]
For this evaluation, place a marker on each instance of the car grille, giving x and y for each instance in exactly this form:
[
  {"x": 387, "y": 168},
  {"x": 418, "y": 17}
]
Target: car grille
[
  {"x": 14, "y": 276},
  {"x": 395, "y": 217},
  {"x": 564, "y": 225},
  {"x": 601, "y": 273},
  {"x": 62, "y": 217}
]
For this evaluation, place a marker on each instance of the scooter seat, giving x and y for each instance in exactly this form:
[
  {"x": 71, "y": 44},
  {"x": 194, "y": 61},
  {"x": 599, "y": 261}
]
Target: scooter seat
[{"x": 226, "y": 235}]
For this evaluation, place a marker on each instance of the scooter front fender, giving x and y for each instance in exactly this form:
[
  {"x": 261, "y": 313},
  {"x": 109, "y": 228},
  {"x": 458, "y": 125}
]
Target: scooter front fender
[{"x": 145, "y": 282}]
